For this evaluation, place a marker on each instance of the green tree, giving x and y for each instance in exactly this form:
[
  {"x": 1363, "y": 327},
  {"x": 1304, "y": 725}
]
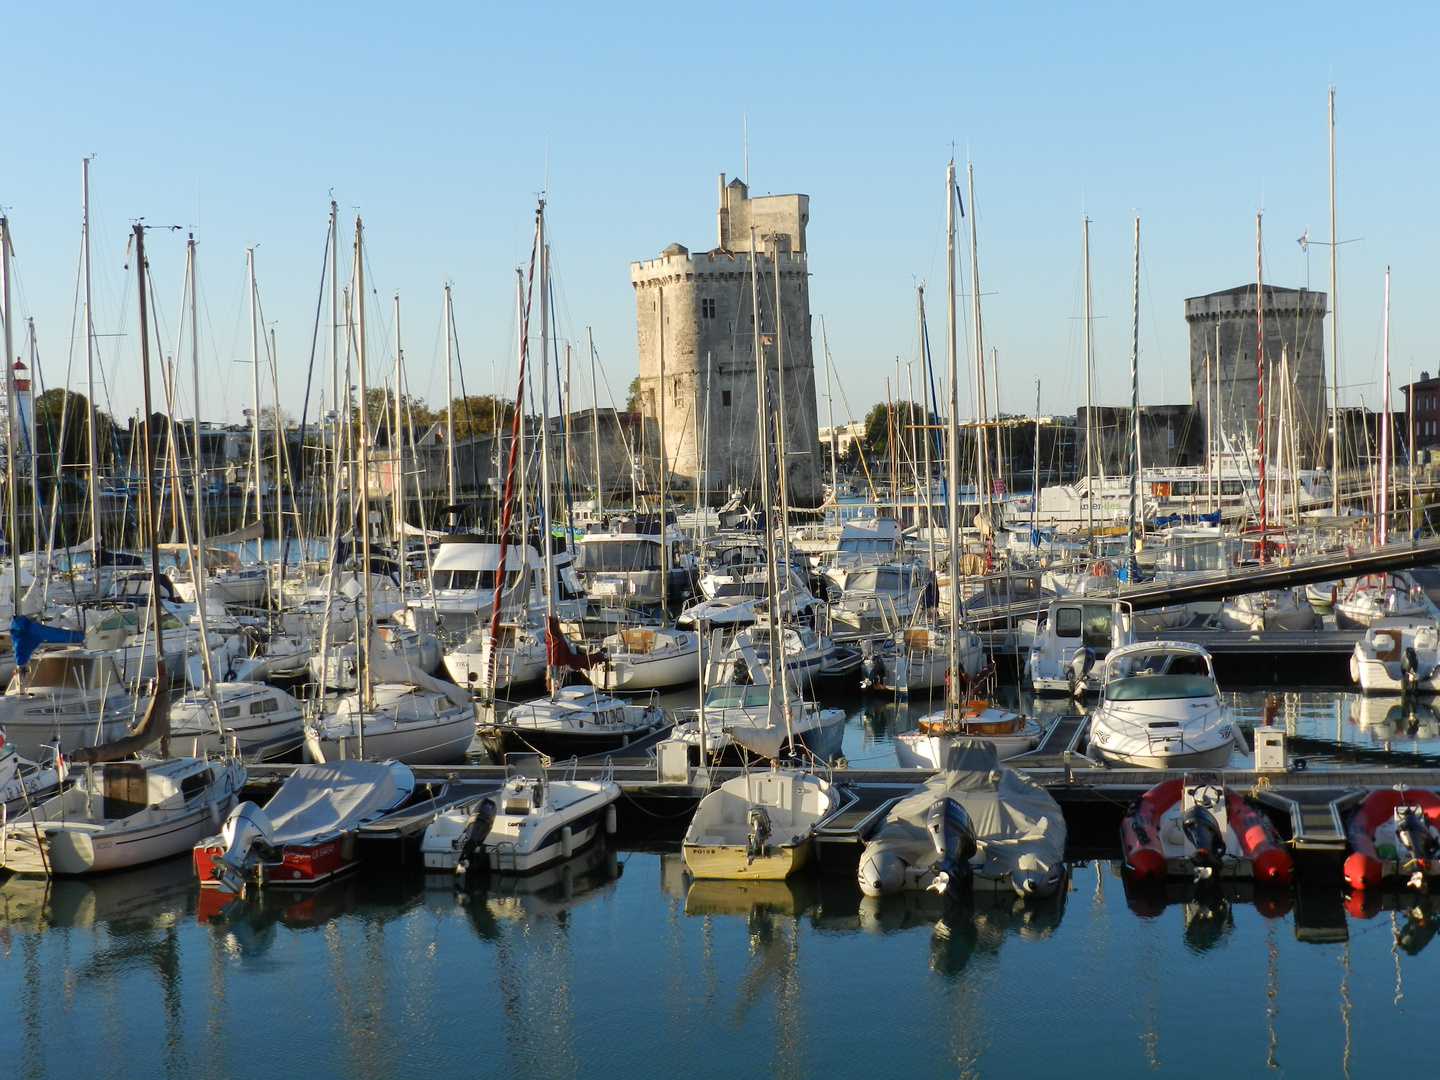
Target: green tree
[
  {"x": 478, "y": 414},
  {"x": 908, "y": 415},
  {"x": 632, "y": 395},
  {"x": 59, "y": 409}
]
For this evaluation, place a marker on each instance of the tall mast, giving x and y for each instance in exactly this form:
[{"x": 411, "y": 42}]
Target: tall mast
[
  {"x": 1260, "y": 383},
  {"x": 660, "y": 457},
  {"x": 1381, "y": 522},
  {"x": 1134, "y": 440},
  {"x": 1334, "y": 335},
  {"x": 397, "y": 474},
  {"x": 336, "y": 405},
  {"x": 12, "y": 488},
  {"x": 197, "y": 561},
  {"x": 772, "y": 570},
  {"x": 449, "y": 405},
  {"x": 254, "y": 388},
  {"x": 362, "y": 627},
  {"x": 984, "y": 443},
  {"x": 1035, "y": 475},
  {"x": 546, "y": 517},
  {"x": 93, "y": 436},
  {"x": 149, "y": 436},
  {"x": 830, "y": 408},
  {"x": 1089, "y": 400},
  {"x": 924, "y": 420},
  {"x": 595, "y": 427},
  {"x": 952, "y": 447}
]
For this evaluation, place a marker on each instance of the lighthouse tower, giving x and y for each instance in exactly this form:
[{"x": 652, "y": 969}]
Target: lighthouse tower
[{"x": 24, "y": 408}]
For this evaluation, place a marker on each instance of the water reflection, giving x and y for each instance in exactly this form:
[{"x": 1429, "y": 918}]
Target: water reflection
[
  {"x": 142, "y": 897},
  {"x": 1206, "y": 905},
  {"x": 1415, "y": 914}
]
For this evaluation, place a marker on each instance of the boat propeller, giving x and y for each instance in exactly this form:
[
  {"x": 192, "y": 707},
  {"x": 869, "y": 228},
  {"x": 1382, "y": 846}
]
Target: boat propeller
[
  {"x": 246, "y": 833},
  {"x": 1203, "y": 831},
  {"x": 472, "y": 840},
  {"x": 759, "y": 822},
  {"x": 949, "y": 827}
]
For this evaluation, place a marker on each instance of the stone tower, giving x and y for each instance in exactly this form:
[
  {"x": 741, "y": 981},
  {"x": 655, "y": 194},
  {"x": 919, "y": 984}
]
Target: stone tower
[
  {"x": 1222, "y": 340},
  {"x": 694, "y": 321}
]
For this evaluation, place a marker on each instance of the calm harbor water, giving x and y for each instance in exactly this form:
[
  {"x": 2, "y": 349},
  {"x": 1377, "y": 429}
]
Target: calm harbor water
[{"x": 615, "y": 966}]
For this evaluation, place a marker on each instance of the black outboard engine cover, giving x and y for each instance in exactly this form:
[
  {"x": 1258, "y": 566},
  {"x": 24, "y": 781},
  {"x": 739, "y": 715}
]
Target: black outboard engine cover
[
  {"x": 1080, "y": 667},
  {"x": 472, "y": 840},
  {"x": 1416, "y": 837},
  {"x": 1409, "y": 666},
  {"x": 1203, "y": 832},
  {"x": 949, "y": 827}
]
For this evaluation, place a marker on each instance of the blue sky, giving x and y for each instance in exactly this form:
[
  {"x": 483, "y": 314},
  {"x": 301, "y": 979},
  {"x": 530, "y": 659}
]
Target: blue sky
[{"x": 441, "y": 122}]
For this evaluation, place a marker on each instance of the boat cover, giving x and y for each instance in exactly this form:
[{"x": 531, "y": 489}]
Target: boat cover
[
  {"x": 387, "y": 666},
  {"x": 320, "y": 800},
  {"x": 1017, "y": 825}
]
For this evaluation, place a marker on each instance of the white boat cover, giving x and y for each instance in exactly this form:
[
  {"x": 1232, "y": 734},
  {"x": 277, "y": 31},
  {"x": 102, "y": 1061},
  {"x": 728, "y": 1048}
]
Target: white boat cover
[
  {"x": 1017, "y": 825},
  {"x": 386, "y": 666},
  {"x": 319, "y": 800}
]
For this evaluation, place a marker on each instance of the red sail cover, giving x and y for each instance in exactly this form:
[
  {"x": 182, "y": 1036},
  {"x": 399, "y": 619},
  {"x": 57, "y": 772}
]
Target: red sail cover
[{"x": 558, "y": 652}]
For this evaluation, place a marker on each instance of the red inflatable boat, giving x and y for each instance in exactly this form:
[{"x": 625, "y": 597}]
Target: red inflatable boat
[
  {"x": 1194, "y": 826},
  {"x": 1394, "y": 833}
]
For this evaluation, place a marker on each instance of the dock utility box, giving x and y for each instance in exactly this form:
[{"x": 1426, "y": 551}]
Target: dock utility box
[
  {"x": 1271, "y": 752},
  {"x": 672, "y": 759}
]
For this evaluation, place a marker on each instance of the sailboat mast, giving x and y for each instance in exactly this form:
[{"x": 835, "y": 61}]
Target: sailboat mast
[
  {"x": 397, "y": 473},
  {"x": 1134, "y": 449},
  {"x": 1334, "y": 335},
  {"x": 254, "y": 389},
  {"x": 149, "y": 436},
  {"x": 830, "y": 408},
  {"x": 93, "y": 436},
  {"x": 12, "y": 488},
  {"x": 772, "y": 570},
  {"x": 983, "y": 442},
  {"x": 546, "y": 517},
  {"x": 595, "y": 427},
  {"x": 925, "y": 420},
  {"x": 1089, "y": 401},
  {"x": 362, "y": 624},
  {"x": 449, "y": 405},
  {"x": 1381, "y": 521},
  {"x": 1260, "y": 383},
  {"x": 952, "y": 443},
  {"x": 197, "y": 561}
]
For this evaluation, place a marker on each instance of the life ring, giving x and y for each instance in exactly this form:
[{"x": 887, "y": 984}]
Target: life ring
[{"x": 1098, "y": 569}]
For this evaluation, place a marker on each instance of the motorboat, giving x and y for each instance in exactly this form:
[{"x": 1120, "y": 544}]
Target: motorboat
[
  {"x": 880, "y": 598},
  {"x": 22, "y": 780},
  {"x": 1380, "y": 596},
  {"x": 531, "y": 823},
  {"x": 1074, "y": 635},
  {"x": 627, "y": 563},
  {"x": 1161, "y": 709},
  {"x": 1398, "y": 655},
  {"x": 1274, "y": 609},
  {"x": 118, "y": 814},
  {"x": 966, "y": 718},
  {"x": 748, "y": 655},
  {"x": 647, "y": 658},
  {"x": 258, "y": 721},
  {"x": 70, "y": 697},
  {"x": 1193, "y": 826},
  {"x": 306, "y": 832},
  {"x": 1394, "y": 836},
  {"x": 758, "y": 825},
  {"x": 571, "y": 721},
  {"x": 975, "y": 825},
  {"x": 916, "y": 658},
  {"x": 418, "y": 721}
]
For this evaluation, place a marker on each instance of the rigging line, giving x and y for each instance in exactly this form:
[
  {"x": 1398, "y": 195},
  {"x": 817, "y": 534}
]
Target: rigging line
[{"x": 310, "y": 370}]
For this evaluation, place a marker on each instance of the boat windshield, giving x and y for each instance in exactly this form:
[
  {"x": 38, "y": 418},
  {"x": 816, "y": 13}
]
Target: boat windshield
[
  {"x": 618, "y": 555},
  {"x": 1159, "y": 687},
  {"x": 732, "y": 697}
]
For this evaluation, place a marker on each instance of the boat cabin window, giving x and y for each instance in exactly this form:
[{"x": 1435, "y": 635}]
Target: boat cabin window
[
  {"x": 603, "y": 555},
  {"x": 1194, "y": 554},
  {"x": 75, "y": 672},
  {"x": 1159, "y": 687},
  {"x": 1097, "y": 626},
  {"x": 733, "y": 697},
  {"x": 230, "y": 712},
  {"x": 866, "y": 544},
  {"x": 1067, "y": 622}
]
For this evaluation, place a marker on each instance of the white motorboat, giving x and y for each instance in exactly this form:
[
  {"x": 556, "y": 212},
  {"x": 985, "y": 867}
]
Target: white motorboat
[
  {"x": 69, "y": 697},
  {"x": 647, "y": 658},
  {"x": 867, "y": 599},
  {"x": 22, "y": 780},
  {"x": 916, "y": 658},
  {"x": 572, "y": 721},
  {"x": 1380, "y": 596},
  {"x": 1162, "y": 709},
  {"x": 532, "y": 822},
  {"x": 1073, "y": 635},
  {"x": 974, "y": 825},
  {"x": 1398, "y": 655},
  {"x": 122, "y": 813},
  {"x": 413, "y": 724},
  {"x": 747, "y": 656},
  {"x": 929, "y": 745},
  {"x": 261, "y": 722},
  {"x": 1275, "y": 609},
  {"x": 758, "y": 825}
]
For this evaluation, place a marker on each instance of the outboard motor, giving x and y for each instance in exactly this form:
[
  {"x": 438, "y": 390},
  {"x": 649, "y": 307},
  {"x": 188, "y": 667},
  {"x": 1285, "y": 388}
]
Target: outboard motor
[
  {"x": 1080, "y": 667},
  {"x": 1409, "y": 668},
  {"x": 949, "y": 827},
  {"x": 246, "y": 833},
  {"x": 1418, "y": 843},
  {"x": 872, "y": 671},
  {"x": 1205, "y": 835},
  {"x": 759, "y": 822},
  {"x": 472, "y": 839}
]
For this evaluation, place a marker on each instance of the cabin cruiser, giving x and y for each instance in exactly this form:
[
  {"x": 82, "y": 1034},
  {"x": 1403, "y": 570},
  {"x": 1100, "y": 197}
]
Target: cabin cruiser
[
  {"x": 867, "y": 599},
  {"x": 863, "y": 542},
  {"x": 519, "y": 657},
  {"x": 573, "y": 720},
  {"x": 627, "y": 563},
  {"x": 70, "y": 697},
  {"x": 1398, "y": 655},
  {"x": 258, "y": 721},
  {"x": 305, "y": 834},
  {"x": 975, "y": 825},
  {"x": 758, "y": 826},
  {"x": 532, "y": 822},
  {"x": 1161, "y": 709},
  {"x": 463, "y": 578},
  {"x": 118, "y": 814},
  {"x": 747, "y": 656},
  {"x": 1073, "y": 635},
  {"x": 737, "y": 604},
  {"x": 647, "y": 658}
]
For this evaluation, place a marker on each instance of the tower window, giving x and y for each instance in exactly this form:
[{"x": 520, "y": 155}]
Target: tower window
[
  {"x": 725, "y": 397},
  {"x": 707, "y": 308}
]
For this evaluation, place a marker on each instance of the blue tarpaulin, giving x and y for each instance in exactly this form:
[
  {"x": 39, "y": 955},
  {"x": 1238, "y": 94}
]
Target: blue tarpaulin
[{"x": 27, "y": 635}]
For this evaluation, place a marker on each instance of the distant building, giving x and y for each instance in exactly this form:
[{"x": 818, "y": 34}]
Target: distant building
[
  {"x": 694, "y": 317},
  {"x": 1423, "y": 399},
  {"x": 1222, "y": 350}
]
